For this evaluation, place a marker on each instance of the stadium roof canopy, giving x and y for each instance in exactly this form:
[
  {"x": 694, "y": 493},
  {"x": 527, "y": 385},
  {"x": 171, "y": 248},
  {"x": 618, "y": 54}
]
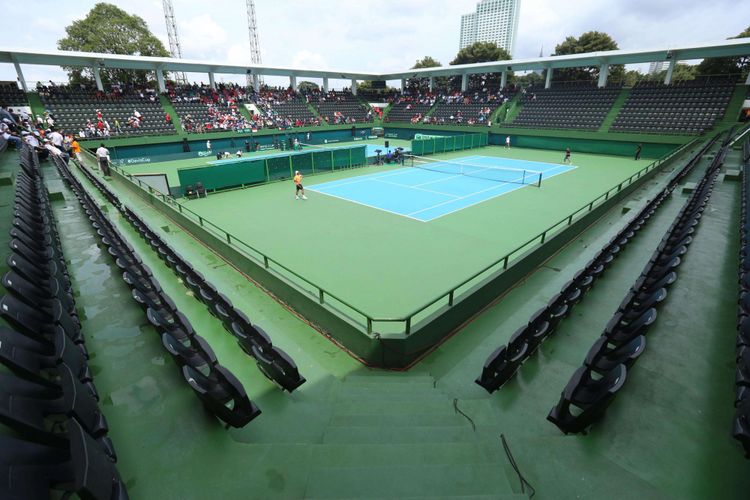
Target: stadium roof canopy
[{"x": 732, "y": 47}]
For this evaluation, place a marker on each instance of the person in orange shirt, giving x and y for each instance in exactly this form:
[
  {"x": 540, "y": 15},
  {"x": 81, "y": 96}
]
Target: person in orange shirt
[
  {"x": 298, "y": 184},
  {"x": 75, "y": 148}
]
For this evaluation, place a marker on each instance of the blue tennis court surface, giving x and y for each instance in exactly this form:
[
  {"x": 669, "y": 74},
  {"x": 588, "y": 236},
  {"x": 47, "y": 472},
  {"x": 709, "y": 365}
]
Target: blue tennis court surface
[{"x": 426, "y": 195}]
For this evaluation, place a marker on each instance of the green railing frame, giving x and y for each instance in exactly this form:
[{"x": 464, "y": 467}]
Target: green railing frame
[{"x": 366, "y": 322}]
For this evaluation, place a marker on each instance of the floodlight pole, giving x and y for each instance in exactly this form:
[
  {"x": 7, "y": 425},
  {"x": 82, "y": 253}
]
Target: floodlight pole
[
  {"x": 252, "y": 26},
  {"x": 174, "y": 38}
]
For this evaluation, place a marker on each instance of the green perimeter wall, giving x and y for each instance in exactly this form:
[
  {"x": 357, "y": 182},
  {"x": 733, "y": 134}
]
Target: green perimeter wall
[{"x": 137, "y": 150}]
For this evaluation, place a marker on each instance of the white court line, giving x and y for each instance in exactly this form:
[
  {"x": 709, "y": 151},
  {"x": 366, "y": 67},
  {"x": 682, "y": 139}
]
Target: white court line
[
  {"x": 493, "y": 197},
  {"x": 361, "y": 178},
  {"x": 366, "y": 205},
  {"x": 501, "y": 184},
  {"x": 415, "y": 187}
]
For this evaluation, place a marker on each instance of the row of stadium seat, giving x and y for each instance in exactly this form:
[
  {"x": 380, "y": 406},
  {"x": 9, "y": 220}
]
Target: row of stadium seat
[
  {"x": 273, "y": 362},
  {"x": 47, "y": 396},
  {"x": 595, "y": 384},
  {"x": 504, "y": 362},
  {"x": 741, "y": 421},
  {"x": 574, "y": 107},
  {"x": 217, "y": 388}
]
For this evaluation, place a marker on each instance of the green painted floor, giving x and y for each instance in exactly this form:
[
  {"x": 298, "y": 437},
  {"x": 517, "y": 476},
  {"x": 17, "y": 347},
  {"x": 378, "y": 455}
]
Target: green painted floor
[
  {"x": 355, "y": 433},
  {"x": 170, "y": 167},
  {"x": 390, "y": 266}
]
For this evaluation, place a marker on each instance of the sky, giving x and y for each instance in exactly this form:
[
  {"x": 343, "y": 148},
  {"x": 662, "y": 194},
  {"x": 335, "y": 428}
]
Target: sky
[{"x": 358, "y": 35}]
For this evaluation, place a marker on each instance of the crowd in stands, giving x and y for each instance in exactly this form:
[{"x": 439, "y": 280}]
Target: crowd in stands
[
  {"x": 44, "y": 137},
  {"x": 204, "y": 109},
  {"x": 92, "y": 113}
]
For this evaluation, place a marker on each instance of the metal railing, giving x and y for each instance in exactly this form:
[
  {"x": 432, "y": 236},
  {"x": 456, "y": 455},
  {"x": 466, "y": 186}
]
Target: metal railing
[{"x": 397, "y": 325}]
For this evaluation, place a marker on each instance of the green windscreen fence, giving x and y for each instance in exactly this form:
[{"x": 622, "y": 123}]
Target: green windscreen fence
[
  {"x": 223, "y": 174},
  {"x": 446, "y": 144}
]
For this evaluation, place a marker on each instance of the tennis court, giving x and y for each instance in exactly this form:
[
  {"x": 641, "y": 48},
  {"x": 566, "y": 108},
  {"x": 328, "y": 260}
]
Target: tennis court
[{"x": 428, "y": 189}]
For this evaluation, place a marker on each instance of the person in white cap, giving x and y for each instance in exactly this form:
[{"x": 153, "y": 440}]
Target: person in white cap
[{"x": 298, "y": 184}]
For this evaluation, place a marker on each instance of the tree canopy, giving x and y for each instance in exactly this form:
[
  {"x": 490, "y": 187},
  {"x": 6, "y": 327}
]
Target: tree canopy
[
  {"x": 426, "y": 62},
  {"x": 110, "y": 30},
  {"x": 591, "y": 41},
  {"x": 307, "y": 86},
  {"x": 481, "y": 52},
  {"x": 726, "y": 65}
]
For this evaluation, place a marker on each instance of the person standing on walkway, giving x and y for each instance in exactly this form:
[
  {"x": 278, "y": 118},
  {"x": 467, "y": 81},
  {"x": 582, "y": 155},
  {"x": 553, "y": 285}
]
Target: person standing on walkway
[
  {"x": 567, "y": 155},
  {"x": 507, "y": 142},
  {"x": 638, "y": 152},
  {"x": 102, "y": 154},
  {"x": 208, "y": 145}
]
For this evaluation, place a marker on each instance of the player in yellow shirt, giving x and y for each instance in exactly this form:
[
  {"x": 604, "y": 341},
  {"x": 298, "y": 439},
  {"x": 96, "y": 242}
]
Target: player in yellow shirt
[{"x": 298, "y": 184}]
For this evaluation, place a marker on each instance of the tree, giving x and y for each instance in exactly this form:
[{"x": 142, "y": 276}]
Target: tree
[
  {"x": 424, "y": 83},
  {"x": 305, "y": 86},
  {"x": 481, "y": 52},
  {"x": 110, "y": 30},
  {"x": 426, "y": 62},
  {"x": 591, "y": 41},
  {"x": 681, "y": 73},
  {"x": 726, "y": 65}
]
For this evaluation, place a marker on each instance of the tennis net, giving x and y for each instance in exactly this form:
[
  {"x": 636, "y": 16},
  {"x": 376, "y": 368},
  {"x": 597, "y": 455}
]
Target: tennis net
[{"x": 490, "y": 173}]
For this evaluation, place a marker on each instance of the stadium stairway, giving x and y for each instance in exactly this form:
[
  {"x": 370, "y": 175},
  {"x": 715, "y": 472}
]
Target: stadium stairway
[
  {"x": 733, "y": 108},
  {"x": 37, "y": 108},
  {"x": 168, "y": 108},
  {"x": 514, "y": 108},
  {"x": 404, "y": 438},
  {"x": 614, "y": 110}
]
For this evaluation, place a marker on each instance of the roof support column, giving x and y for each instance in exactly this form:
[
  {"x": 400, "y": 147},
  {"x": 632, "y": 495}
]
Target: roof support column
[
  {"x": 325, "y": 84},
  {"x": 21, "y": 78},
  {"x": 256, "y": 82},
  {"x": 403, "y": 84},
  {"x": 747, "y": 81},
  {"x": 432, "y": 83},
  {"x": 211, "y": 80},
  {"x": 98, "y": 78},
  {"x": 464, "y": 82},
  {"x": 354, "y": 86},
  {"x": 548, "y": 81},
  {"x": 603, "y": 74},
  {"x": 160, "y": 80},
  {"x": 670, "y": 70},
  {"x": 293, "y": 82},
  {"x": 503, "y": 79}
]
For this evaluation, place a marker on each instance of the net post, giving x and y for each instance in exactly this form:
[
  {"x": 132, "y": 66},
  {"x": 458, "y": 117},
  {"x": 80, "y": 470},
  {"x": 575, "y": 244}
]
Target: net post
[
  {"x": 291, "y": 169},
  {"x": 523, "y": 179},
  {"x": 539, "y": 182}
]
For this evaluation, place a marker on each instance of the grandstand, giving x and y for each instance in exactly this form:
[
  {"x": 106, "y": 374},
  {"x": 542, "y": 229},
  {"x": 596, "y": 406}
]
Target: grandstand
[{"x": 442, "y": 317}]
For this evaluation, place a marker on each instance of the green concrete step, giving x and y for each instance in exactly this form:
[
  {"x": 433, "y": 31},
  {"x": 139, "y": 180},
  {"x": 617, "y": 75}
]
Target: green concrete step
[
  {"x": 428, "y": 420},
  {"x": 380, "y": 455},
  {"x": 408, "y": 481},
  {"x": 401, "y": 435},
  {"x": 609, "y": 119},
  {"x": 390, "y": 378}
]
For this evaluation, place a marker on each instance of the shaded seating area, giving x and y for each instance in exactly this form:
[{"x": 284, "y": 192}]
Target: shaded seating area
[
  {"x": 566, "y": 106},
  {"x": 338, "y": 107},
  {"x": 680, "y": 108},
  {"x": 12, "y": 95},
  {"x": 741, "y": 420},
  {"x": 217, "y": 388},
  {"x": 73, "y": 109},
  {"x": 594, "y": 385},
  {"x": 59, "y": 444},
  {"x": 505, "y": 361},
  {"x": 272, "y": 361}
]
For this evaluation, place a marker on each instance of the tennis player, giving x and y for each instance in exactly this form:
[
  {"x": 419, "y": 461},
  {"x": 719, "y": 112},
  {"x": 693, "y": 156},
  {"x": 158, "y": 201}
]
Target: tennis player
[
  {"x": 567, "y": 155},
  {"x": 298, "y": 185}
]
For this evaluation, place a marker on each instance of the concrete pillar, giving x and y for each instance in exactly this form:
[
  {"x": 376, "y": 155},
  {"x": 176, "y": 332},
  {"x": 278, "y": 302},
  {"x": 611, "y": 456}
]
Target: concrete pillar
[
  {"x": 747, "y": 81},
  {"x": 354, "y": 86},
  {"x": 403, "y": 84},
  {"x": 293, "y": 82},
  {"x": 256, "y": 82},
  {"x": 21, "y": 78},
  {"x": 211, "y": 80},
  {"x": 432, "y": 83},
  {"x": 98, "y": 78},
  {"x": 548, "y": 81},
  {"x": 503, "y": 79},
  {"x": 325, "y": 84},
  {"x": 670, "y": 70},
  {"x": 464, "y": 82},
  {"x": 160, "y": 80},
  {"x": 603, "y": 74}
]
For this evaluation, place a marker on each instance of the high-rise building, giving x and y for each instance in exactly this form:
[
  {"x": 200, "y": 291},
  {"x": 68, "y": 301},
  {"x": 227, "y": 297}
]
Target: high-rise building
[{"x": 494, "y": 21}]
